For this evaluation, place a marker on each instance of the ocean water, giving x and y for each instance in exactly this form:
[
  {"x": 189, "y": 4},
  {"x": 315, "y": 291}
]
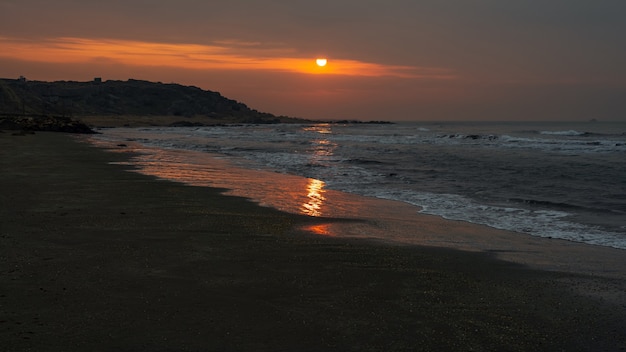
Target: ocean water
[{"x": 559, "y": 180}]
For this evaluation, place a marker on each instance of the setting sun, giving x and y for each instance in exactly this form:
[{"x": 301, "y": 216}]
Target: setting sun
[{"x": 321, "y": 62}]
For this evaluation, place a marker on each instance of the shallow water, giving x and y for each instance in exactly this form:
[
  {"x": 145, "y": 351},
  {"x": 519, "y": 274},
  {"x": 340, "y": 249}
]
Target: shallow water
[{"x": 551, "y": 180}]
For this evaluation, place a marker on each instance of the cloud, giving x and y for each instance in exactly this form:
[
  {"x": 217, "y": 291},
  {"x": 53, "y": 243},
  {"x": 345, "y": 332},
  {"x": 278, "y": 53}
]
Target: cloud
[{"x": 220, "y": 55}]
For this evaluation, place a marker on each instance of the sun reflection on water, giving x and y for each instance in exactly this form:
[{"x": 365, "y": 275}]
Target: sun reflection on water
[
  {"x": 315, "y": 198},
  {"x": 306, "y": 196},
  {"x": 320, "y": 229},
  {"x": 323, "y": 128}
]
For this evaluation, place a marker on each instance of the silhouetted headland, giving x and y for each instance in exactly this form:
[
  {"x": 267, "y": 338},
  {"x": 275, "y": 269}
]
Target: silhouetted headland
[{"x": 54, "y": 106}]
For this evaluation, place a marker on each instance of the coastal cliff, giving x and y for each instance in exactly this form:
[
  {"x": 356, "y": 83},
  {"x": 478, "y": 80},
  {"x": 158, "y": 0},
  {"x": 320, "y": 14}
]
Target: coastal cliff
[{"x": 155, "y": 102}]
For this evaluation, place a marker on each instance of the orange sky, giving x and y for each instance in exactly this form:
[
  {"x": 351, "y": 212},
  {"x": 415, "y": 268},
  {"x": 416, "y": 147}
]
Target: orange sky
[
  {"x": 220, "y": 56},
  {"x": 392, "y": 60}
]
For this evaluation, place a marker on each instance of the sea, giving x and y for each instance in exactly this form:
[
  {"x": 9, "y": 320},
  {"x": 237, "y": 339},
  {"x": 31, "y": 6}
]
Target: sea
[{"x": 564, "y": 180}]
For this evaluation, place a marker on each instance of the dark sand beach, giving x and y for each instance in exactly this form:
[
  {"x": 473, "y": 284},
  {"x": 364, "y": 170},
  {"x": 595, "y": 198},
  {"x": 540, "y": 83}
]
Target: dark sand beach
[{"x": 95, "y": 258}]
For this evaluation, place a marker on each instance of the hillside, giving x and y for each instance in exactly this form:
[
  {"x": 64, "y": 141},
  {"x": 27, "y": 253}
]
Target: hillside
[{"x": 88, "y": 100}]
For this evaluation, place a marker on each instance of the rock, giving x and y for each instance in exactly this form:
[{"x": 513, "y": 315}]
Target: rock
[
  {"x": 185, "y": 124},
  {"x": 44, "y": 123}
]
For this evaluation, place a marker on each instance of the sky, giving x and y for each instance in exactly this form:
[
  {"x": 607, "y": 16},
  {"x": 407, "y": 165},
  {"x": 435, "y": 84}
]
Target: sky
[{"x": 429, "y": 60}]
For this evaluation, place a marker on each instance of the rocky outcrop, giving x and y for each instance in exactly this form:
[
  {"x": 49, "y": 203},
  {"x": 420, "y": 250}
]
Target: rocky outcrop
[
  {"x": 43, "y": 123},
  {"x": 123, "y": 98}
]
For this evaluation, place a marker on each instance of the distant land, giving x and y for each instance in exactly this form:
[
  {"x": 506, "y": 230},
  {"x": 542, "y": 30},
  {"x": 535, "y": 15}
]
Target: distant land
[
  {"x": 139, "y": 102},
  {"x": 131, "y": 97},
  {"x": 70, "y": 106}
]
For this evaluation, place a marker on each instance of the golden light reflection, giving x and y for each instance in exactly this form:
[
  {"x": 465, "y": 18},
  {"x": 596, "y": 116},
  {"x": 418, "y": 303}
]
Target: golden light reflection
[
  {"x": 323, "y": 148},
  {"x": 322, "y": 128},
  {"x": 315, "y": 198},
  {"x": 320, "y": 229},
  {"x": 224, "y": 55}
]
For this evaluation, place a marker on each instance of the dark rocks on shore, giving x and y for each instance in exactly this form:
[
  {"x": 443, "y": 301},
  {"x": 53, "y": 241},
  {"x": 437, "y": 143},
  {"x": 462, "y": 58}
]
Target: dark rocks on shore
[
  {"x": 350, "y": 122},
  {"x": 44, "y": 123},
  {"x": 186, "y": 124}
]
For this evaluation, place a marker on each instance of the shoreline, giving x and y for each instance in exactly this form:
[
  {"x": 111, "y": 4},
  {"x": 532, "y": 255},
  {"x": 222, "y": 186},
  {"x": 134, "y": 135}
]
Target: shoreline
[
  {"x": 102, "y": 259},
  {"x": 285, "y": 149},
  {"x": 382, "y": 220}
]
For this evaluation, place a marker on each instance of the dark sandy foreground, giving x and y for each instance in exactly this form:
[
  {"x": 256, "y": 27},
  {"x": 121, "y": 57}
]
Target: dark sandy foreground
[{"x": 93, "y": 258}]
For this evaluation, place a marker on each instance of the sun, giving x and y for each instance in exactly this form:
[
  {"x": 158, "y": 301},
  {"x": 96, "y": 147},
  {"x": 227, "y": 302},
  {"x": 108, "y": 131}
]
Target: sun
[{"x": 321, "y": 62}]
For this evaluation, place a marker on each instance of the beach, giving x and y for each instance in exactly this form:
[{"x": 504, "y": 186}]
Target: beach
[{"x": 98, "y": 258}]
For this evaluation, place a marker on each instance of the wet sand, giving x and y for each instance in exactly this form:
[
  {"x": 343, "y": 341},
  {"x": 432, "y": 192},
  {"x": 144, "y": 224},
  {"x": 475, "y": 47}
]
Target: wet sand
[{"x": 97, "y": 258}]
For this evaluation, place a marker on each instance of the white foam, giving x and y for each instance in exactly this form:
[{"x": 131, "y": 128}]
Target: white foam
[
  {"x": 563, "y": 133},
  {"x": 542, "y": 223},
  {"x": 263, "y": 147}
]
